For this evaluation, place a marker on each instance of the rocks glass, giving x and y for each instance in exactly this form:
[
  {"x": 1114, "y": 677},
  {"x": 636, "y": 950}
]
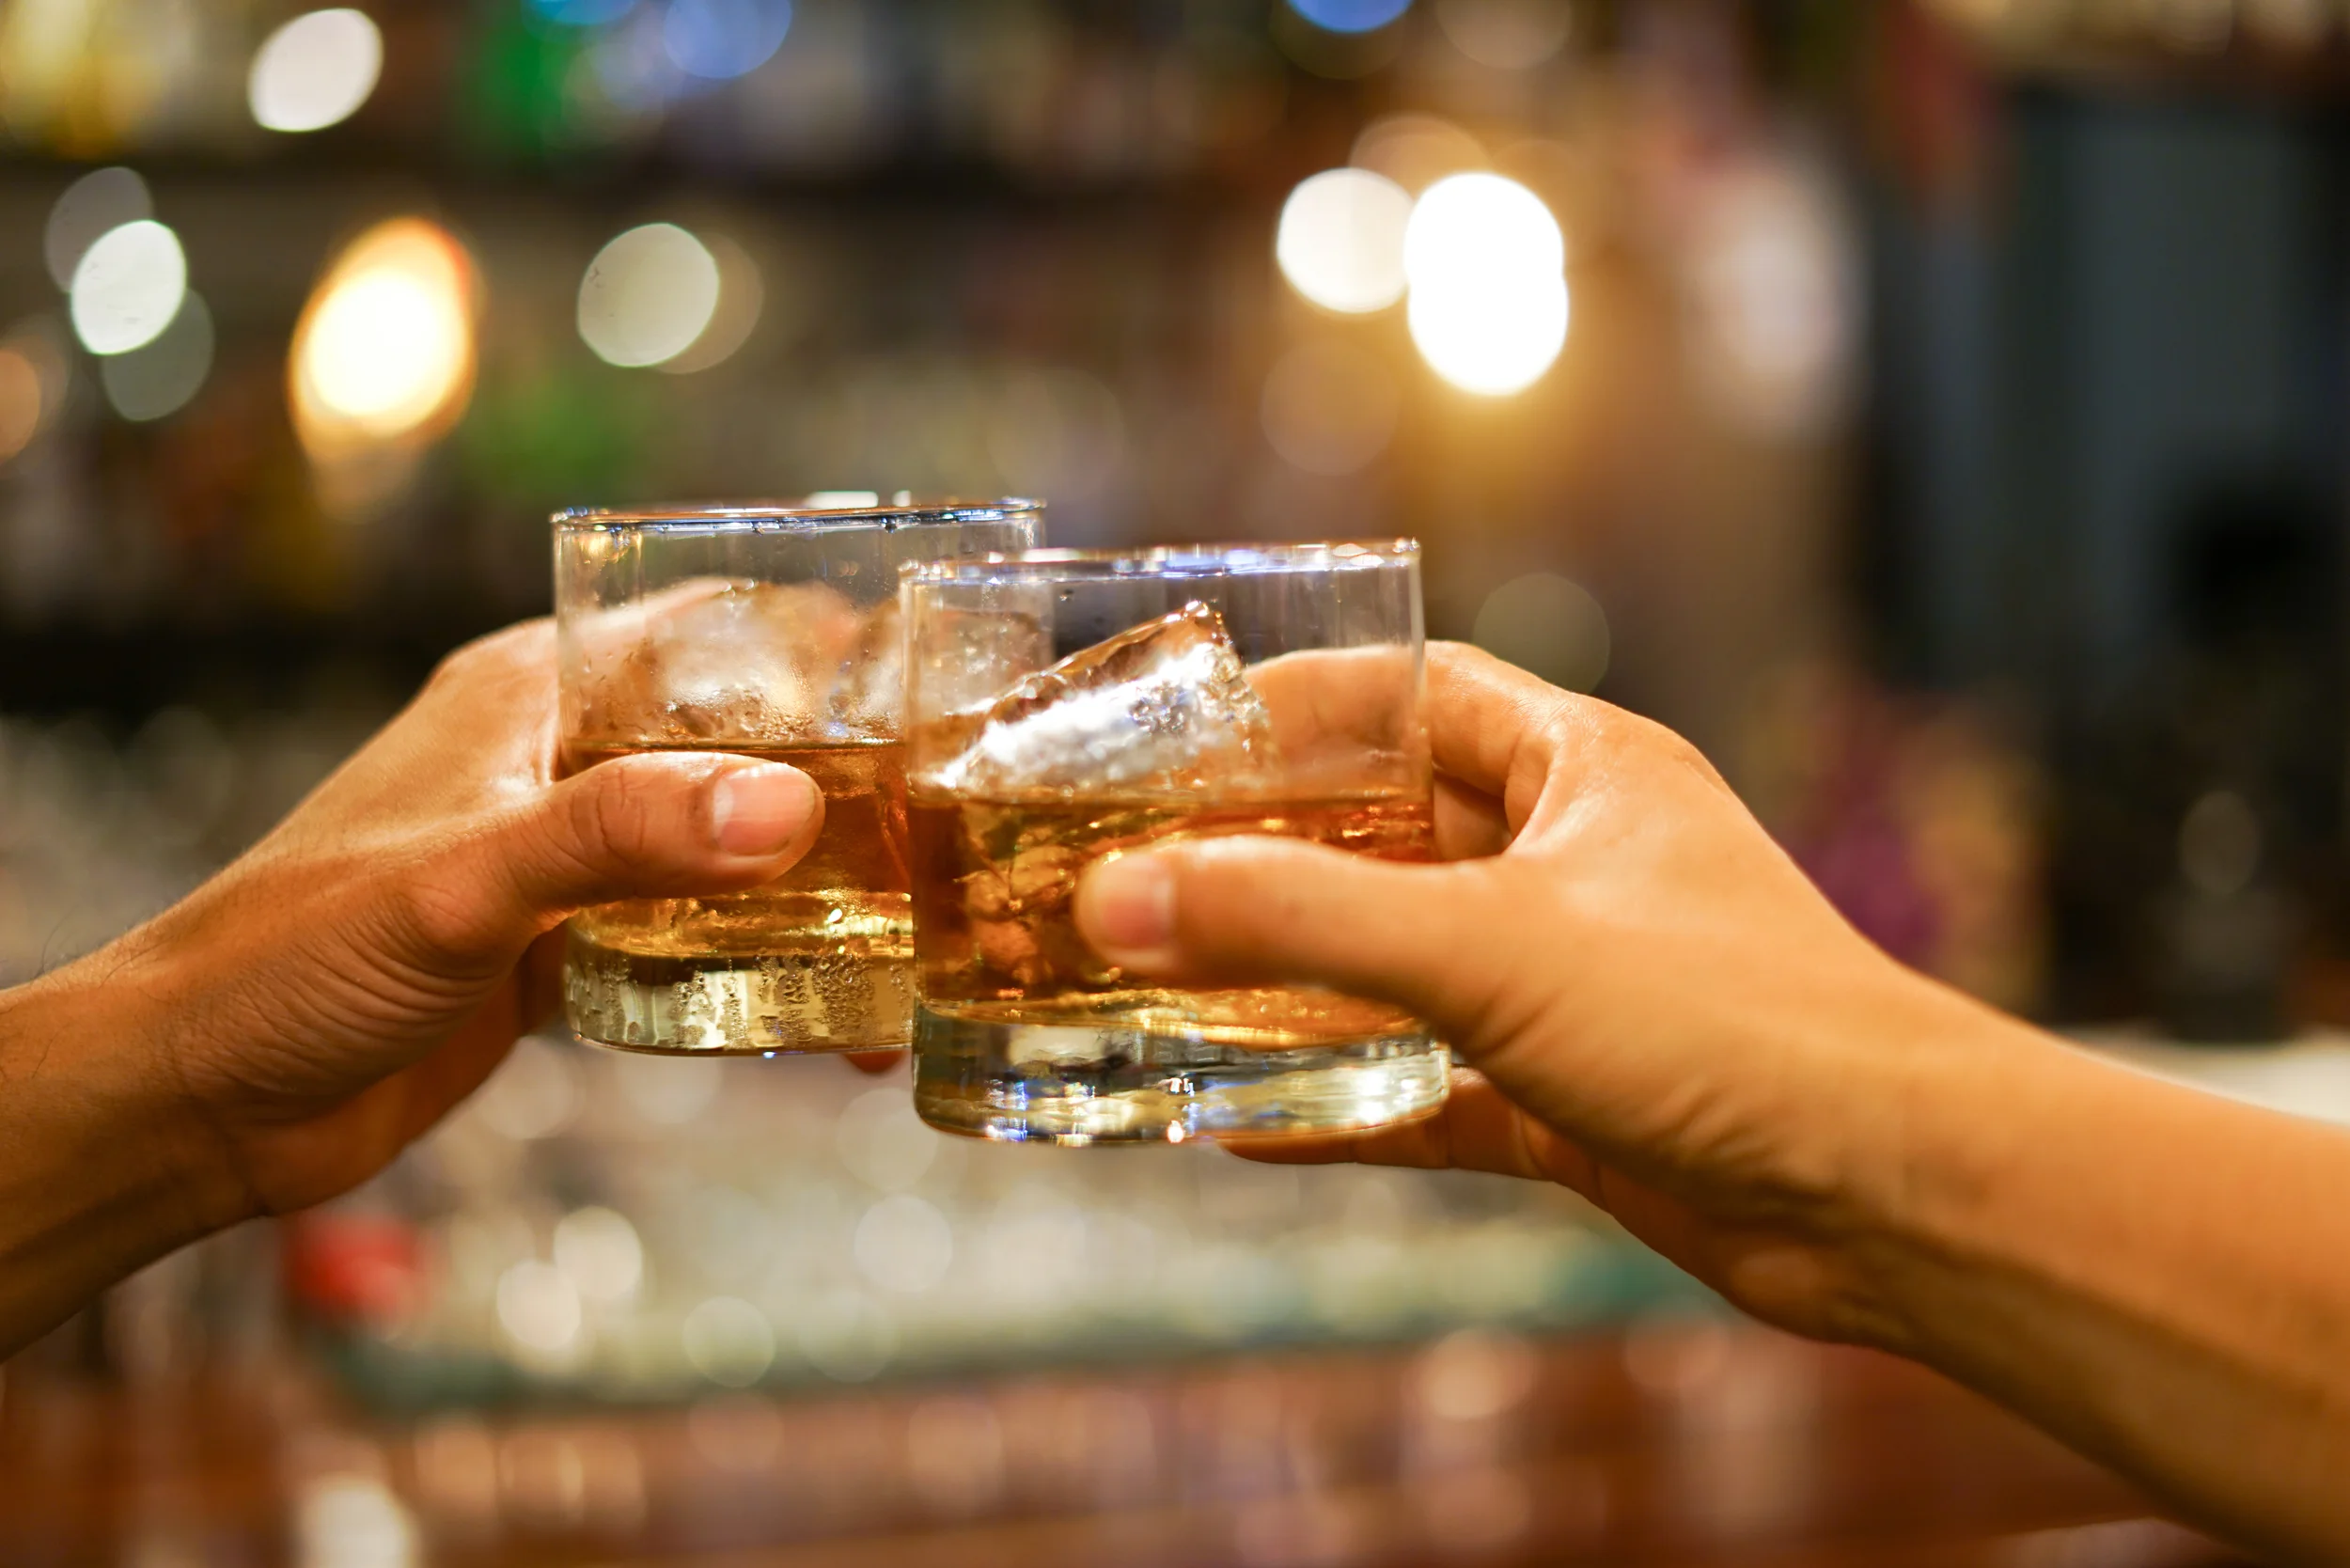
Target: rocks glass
[
  {"x": 772, "y": 632},
  {"x": 1065, "y": 706}
]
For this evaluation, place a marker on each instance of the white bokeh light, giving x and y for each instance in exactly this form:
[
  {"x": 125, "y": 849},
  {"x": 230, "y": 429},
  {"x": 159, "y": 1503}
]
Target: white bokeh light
[
  {"x": 1480, "y": 224},
  {"x": 1340, "y": 241},
  {"x": 314, "y": 70},
  {"x": 648, "y": 295},
  {"x": 128, "y": 287},
  {"x": 157, "y": 380},
  {"x": 598, "y": 1251},
  {"x": 102, "y": 199},
  {"x": 1492, "y": 338},
  {"x": 1489, "y": 304}
]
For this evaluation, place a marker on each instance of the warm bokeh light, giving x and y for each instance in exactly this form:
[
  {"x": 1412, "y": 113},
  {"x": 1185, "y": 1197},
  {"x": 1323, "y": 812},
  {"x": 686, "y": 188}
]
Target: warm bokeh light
[
  {"x": 384, "y": 353},
  {"x": 1340, "y": 242},
  {"x": 128, "y": 287},
  {"x": 1350, "y": 16},
  {"x": 101, "y": 200},
  {"x": 1416, "y": 150},
  {"x": 157, "y": 380},
  {"x": 1493, "y": 338},
  {"x": 648, "y": 295},
  {"x": 1488, "y": 305},
  {"x": 20, "y": 402},
  {"x": 314, "y": 70}
]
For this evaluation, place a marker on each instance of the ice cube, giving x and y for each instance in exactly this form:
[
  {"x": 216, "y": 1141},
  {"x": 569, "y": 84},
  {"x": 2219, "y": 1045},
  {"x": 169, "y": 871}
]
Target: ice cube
[
  {"x": 868, "y": 689},
  {"x": 732, "y": 663},
  {"x": 967, "y": 658},
  {"x": 1162, "y": 706}
]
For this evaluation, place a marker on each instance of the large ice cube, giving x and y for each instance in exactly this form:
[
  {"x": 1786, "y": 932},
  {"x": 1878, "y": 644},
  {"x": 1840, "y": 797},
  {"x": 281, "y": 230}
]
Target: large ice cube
[
  {"x": 1163, "y": 706},
  {"x": 732, "y": 663}
]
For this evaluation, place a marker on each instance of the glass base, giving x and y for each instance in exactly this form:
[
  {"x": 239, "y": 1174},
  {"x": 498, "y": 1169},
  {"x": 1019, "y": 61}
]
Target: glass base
[
  {"x": 1098, "y": 1083},
  {"x": 770, "y": 1005}
]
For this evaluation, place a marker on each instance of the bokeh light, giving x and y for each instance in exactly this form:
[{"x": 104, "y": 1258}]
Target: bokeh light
[
  {"x": 598, "y": 1250},
  {"x": 314, "y": 70},
  {"x": 383, "y": 356},
  {"x": 1773, "y": 280},
  {"x": 158, "y": 379},
  {"x": 1548, "y": 624},
  {"x": 1350, "y": 16},
  {"x": 903, "y": 1245},
  {"x": 721, "y": 38},
  {"x": 1507, "y": 34},
  {"x": 101, "y": 200},
  {"x": 742, "y": 295},
  {"x": 1416, "y": 150},
  {"x": 20, "y": 400},
  {"x": 1328, "y": 408},
  {"x": 538, "y": 1308},
  {"x": 730, "y": 1342},
  {"x": 1476, "y": 225},
  {"x": 1485, "y": 261},
  {"x": 128, "y": 287},
  {"x": 1340, "y": 241},
  {"x": 648, "y": 295}
]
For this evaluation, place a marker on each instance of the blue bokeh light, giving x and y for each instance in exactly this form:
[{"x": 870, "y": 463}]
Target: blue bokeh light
[
  {"x": 718, "y": 39},
  {"x": 1350, "y": 16},
  {"x": 583, "y": 14}
]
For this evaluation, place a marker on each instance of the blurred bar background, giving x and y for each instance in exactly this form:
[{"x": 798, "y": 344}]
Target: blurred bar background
[{"x": 1935, "y": 410}]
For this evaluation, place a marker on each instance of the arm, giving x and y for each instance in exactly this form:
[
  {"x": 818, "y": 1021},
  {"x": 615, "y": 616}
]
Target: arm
[
  {"x": 280, "y": 1035},
  {"x": 1666, "y": 1017}
]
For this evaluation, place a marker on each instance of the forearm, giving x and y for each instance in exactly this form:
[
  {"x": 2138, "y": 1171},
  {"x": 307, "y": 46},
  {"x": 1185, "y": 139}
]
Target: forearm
[
  {"x": 100, "y": 1171},
  {"x": 2159, "y": 1276}
]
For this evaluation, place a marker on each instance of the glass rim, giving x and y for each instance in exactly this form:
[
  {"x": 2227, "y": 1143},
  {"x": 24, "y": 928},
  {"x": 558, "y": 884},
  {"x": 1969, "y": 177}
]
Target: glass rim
[
  {"x": 811, "y": 515},
  {"x": 1142, "y": 562}
]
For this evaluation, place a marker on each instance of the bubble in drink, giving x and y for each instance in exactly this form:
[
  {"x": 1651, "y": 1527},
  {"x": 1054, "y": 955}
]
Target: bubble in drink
[{"x": 1163, "y": 706}]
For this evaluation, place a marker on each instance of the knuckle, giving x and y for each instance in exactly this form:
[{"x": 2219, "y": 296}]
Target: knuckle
[
  {"x": 492, "y": 655},
  {"x": 614, "y": 820},
  {"x": 444, "y": 912}
]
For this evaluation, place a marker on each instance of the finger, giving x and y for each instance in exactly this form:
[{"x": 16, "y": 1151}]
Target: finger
[
  {"x": 1256, "y": 910},
  {"x": 1506, "y": 733},
  {"x": 653, "y": 825},
  {"x": 1342, "y": 700},
  {"x": 1469, "y": 822},
  {"x": 877, "y": 1063}
]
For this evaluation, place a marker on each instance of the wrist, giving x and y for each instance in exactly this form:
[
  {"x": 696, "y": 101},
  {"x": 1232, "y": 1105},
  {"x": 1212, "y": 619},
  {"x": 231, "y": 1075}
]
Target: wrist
[
  {"x": 104, "y": 1166},
  {"x": 1968, "y": 1086}
]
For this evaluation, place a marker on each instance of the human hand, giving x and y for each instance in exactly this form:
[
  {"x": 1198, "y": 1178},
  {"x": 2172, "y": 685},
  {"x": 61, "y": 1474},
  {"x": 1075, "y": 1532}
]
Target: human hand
[
  {"x": 1664, "y": 1013},
  {"x": 331, "y": 992}
]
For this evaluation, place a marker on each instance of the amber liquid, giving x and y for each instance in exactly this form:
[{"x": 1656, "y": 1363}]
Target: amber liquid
[
  {"x": 821, "y": 959},
  {"x": 997, "y": 941}
]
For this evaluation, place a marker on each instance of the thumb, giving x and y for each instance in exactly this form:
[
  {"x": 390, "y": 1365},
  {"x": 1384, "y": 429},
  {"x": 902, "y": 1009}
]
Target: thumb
[
  {"x": 1250, "y": 910},
  {"x": 649, "y": 825}
]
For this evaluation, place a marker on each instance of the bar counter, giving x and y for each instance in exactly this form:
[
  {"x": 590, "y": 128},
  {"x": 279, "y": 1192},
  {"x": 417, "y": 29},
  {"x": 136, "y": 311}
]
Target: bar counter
[{"x": 1691, "y": 1442}]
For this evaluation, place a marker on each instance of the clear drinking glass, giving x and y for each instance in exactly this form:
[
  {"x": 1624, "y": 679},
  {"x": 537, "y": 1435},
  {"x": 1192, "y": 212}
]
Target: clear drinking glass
[
  {"x": 771, "y": 631},
  {"x": 1063, "y": 706}
]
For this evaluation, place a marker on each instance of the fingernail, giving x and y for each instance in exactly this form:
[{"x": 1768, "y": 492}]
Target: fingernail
[
  {"x": 758, "y": 809},
  {"x": 1127, "y": 909}
]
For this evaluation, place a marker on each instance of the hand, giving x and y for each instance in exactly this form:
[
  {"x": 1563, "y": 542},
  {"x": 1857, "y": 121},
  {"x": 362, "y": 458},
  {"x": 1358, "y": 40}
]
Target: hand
[
  {"x": 330, "y": 995},
  {"x": 1665, "y": 1014}
]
